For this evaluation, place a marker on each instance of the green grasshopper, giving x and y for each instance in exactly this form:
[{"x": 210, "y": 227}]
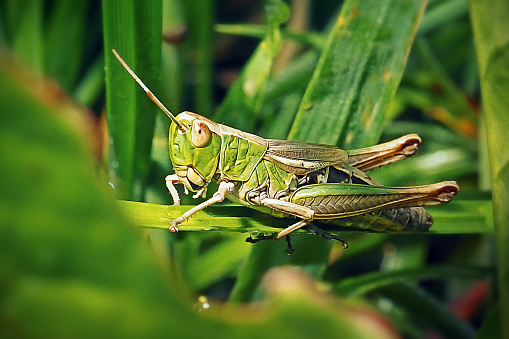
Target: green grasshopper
[{"x": 287, "y": 178}]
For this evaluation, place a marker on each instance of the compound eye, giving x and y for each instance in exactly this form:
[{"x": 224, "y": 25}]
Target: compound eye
[{"x": 201, "y": 134}]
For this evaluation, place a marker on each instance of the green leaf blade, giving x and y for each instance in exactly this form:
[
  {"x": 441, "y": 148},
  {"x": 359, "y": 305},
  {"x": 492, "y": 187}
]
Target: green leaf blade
[
  {"x": 458, "y": 217},
  {"x": 491, "y": 32},
  {"x": 358, "y": 73},
  {"x": 135, "y": 32}
]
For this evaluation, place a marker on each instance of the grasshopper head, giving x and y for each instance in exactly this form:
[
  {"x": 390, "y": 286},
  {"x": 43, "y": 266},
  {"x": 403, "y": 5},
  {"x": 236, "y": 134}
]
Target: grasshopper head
[
  {"x": 195, "y": 152},
  {"x": 195, "y": 142}
]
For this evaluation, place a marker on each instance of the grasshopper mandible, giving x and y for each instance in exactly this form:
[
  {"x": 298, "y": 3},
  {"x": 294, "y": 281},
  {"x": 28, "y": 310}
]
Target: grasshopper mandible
[{"x": 287, "y": 178}]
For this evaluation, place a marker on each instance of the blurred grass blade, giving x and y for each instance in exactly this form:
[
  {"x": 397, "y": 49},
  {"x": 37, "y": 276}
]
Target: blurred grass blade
[
  {"x": 25, "y": 23},
  {"x": 491, "y": 33},
  {"x": 426, "y": 307},
  {"x": 173, "y": 60},
  {"x": 295, "y": 76},
  {"x": 310, "y": 256},
  {"x": 63, "y": 44},
  {"x": 355, "y": 286},
  {"x": 217, "y": 262},
  {"x": 92, "y": 84},
  {"x": 259, "y": 31},
  {"x": 457, "y": 113},
  {"x": 432, "y": 167},
  {"x": 246, "y": 95},
  {"x": 134, "y": 29},
  {"x": 358, "y": 73},
  {"x": 441, "y": 13},
  {"x": 199, "y": 18},
  {"x": 491, "y": 326},
  {"x": 284, "y": 93}
]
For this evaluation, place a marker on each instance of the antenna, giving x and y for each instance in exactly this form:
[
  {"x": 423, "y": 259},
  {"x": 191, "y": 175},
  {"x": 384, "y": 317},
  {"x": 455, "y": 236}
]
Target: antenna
[{"x": 149, "y": 93}]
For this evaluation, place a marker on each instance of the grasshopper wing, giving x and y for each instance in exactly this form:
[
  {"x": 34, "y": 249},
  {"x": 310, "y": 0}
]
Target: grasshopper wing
[{"x": 301, "y": 158}]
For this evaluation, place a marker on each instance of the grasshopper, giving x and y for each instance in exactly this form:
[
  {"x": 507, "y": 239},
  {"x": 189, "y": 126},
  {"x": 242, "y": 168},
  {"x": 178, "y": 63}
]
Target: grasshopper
[{"x": 288, "y": 178}]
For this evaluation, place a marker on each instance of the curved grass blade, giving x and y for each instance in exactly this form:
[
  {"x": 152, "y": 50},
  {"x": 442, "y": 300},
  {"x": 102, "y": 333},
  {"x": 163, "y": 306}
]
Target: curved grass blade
[
  {"x": 423, "y": 306},
  {"x": 441, "y": 13},
  {"x": 491, "y": 32},
  {"x": 259, "y": 31},
  {"x": 355, "y": 286}
]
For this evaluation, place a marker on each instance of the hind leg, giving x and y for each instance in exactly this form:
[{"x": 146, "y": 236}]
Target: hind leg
[{"x": 326, "y": 235}]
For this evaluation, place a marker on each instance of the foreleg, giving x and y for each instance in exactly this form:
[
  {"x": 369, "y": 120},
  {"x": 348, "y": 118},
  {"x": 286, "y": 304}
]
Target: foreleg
[
  {"x": 220, "y": 195},
  {"x": 171, "y": 180}
]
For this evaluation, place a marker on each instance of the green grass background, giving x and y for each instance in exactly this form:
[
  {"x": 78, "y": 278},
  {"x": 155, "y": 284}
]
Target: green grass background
[{"x": 83, "y": 207}]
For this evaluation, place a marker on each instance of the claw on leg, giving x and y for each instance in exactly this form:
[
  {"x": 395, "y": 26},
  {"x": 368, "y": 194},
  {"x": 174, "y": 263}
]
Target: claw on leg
[
  {"x": 173, "y": 228},
  {"x": 251, "y": 240},
  {"x": 289, "y": 249},
  {"x": 326, "y": 235},
  {"x": 261, "y": 237}
]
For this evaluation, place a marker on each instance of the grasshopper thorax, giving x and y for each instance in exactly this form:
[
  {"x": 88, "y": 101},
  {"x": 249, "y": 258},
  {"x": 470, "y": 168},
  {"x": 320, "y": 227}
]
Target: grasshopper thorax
[{"x": 195, "y": 152}]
